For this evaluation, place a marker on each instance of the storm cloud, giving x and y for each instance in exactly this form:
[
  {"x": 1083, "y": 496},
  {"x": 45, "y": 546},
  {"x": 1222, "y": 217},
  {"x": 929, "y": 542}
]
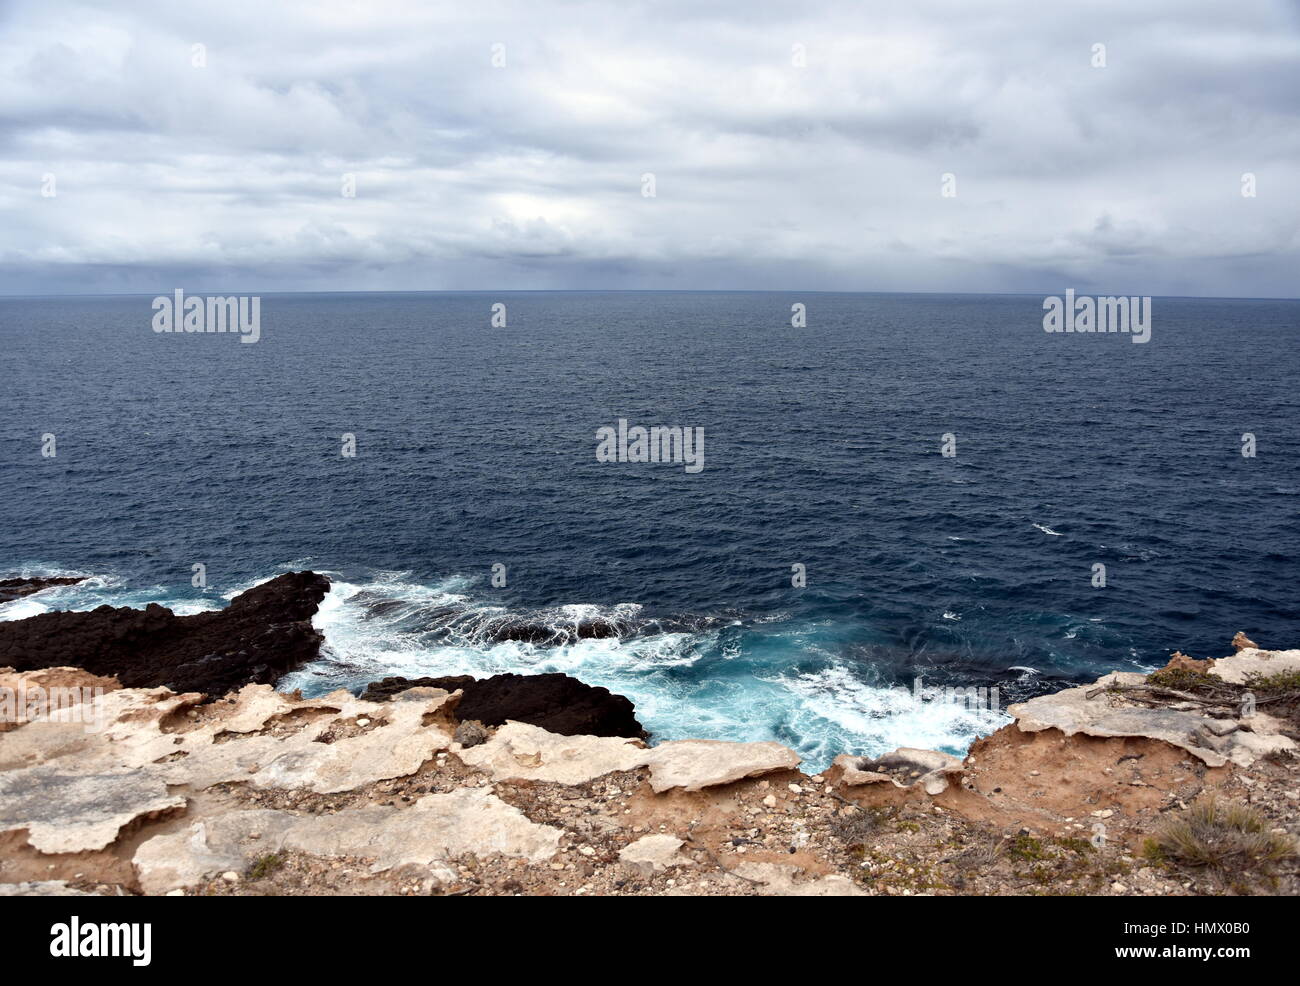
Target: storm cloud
[{"x": 504, "y": 146}]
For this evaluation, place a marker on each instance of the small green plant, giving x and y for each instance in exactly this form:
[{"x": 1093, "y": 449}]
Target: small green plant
[
  {"x": 1027, "y": 848},
  {"x": 1182, "y": 680},
  {"x": 1282, "y": 681},
  {"x": 1219, "y": 836},
  {"x": 265, "y": 866},
  {"x": 1080, "y": 846}
]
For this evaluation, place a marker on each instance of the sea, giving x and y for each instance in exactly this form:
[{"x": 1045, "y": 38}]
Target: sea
[{"x": 898, "y": 495}]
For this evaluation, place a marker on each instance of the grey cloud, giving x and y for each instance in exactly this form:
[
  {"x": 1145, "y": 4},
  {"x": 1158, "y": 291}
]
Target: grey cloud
[{"x": 768, "y": 175}]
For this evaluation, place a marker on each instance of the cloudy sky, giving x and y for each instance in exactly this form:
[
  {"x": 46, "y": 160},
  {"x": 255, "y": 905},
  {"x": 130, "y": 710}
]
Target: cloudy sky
[{"x": 228, "y": 175}]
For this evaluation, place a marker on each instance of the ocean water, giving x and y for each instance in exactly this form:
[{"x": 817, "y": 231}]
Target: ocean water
[{"x": 476, "y": 447}]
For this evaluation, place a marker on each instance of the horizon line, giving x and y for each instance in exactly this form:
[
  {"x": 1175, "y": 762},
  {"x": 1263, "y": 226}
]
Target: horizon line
[{"x": 786, "y": 291}]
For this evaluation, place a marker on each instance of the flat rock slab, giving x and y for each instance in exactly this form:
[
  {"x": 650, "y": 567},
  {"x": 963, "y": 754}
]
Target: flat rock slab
[
  {"x": 65, "y": 812},
  {"x": 1104, "y": 715},
  {"x": 519, "y": 751},
  {"x": 931, "y": 767},
  {"x": 41, "y": 888},
  {"x": 1253, "y": 661},
  {"x": 468, "y": 820},
  {"x": 695, "y": 764}
]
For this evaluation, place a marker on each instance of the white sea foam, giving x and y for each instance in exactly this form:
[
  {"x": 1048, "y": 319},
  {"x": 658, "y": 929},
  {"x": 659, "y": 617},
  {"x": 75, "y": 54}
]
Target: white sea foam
[
  {"x": 1048, "y": 530},
  {"x": 729, "y": 681}
]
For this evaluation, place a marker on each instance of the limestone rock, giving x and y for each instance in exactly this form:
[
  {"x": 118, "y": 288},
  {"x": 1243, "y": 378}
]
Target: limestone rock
[
  {"x": 928, "y": 769},
  {"x": 1242, "y": 642},
  {"x": 778, "y": 880},
  {"x": 396, "y": 749},
  {"x": 1252, "y": 661},
  {"x": 467, "y": 820},
  {"x": 519, "y": 751},
  {"x": 1106, "y": 715},
  {"x": 695, "y": 764},
  {"x": 1179, "y": 661},
  {"x": 207, "y": 847},
  {"x": 41, "y": 888},
  {"x": 652, "y": 854},
  {"x": 70, "y": 812}
]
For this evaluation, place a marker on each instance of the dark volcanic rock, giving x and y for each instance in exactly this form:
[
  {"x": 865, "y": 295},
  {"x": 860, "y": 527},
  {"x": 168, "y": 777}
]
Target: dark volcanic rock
[
  {"x": 264, "y": 633},
  {"x": 555, "y": 702},
  {"x": 11, "y": 589}
]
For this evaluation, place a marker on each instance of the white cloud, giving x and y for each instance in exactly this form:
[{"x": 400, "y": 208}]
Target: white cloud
[{"x": 768, "y": 175}]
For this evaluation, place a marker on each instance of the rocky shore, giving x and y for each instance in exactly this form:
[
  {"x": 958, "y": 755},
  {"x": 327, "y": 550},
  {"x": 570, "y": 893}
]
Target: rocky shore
[
  {"x": 1181, "y": 782},
  {"x": 262, "y": 635}
]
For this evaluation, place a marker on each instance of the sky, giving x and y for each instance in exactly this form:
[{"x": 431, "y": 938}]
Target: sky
[{"x": 918, "y": 145}]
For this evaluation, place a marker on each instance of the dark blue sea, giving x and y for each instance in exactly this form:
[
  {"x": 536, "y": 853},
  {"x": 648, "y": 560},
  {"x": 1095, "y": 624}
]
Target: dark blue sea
[{"x": 476, "y": 447}]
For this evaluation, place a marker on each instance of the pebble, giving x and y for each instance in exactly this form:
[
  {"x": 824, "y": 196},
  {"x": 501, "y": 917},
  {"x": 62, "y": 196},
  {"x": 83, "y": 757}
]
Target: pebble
[
  {"x": 230, "y": 876},
  {"x": 1103, "y": 813},
  {"x": 363, "y": 723},
  {"x": 770, "y": 801},
  {"x": 1119, "y": 888},
  {"x": 796, "y": 789}
]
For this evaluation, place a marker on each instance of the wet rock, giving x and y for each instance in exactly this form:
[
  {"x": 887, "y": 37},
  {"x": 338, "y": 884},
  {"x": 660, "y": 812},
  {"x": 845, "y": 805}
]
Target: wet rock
[
  {"x": 555, "y": 702},
  {"x": 262, "y": 635},
  {"x": 11, "y": 589}
]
